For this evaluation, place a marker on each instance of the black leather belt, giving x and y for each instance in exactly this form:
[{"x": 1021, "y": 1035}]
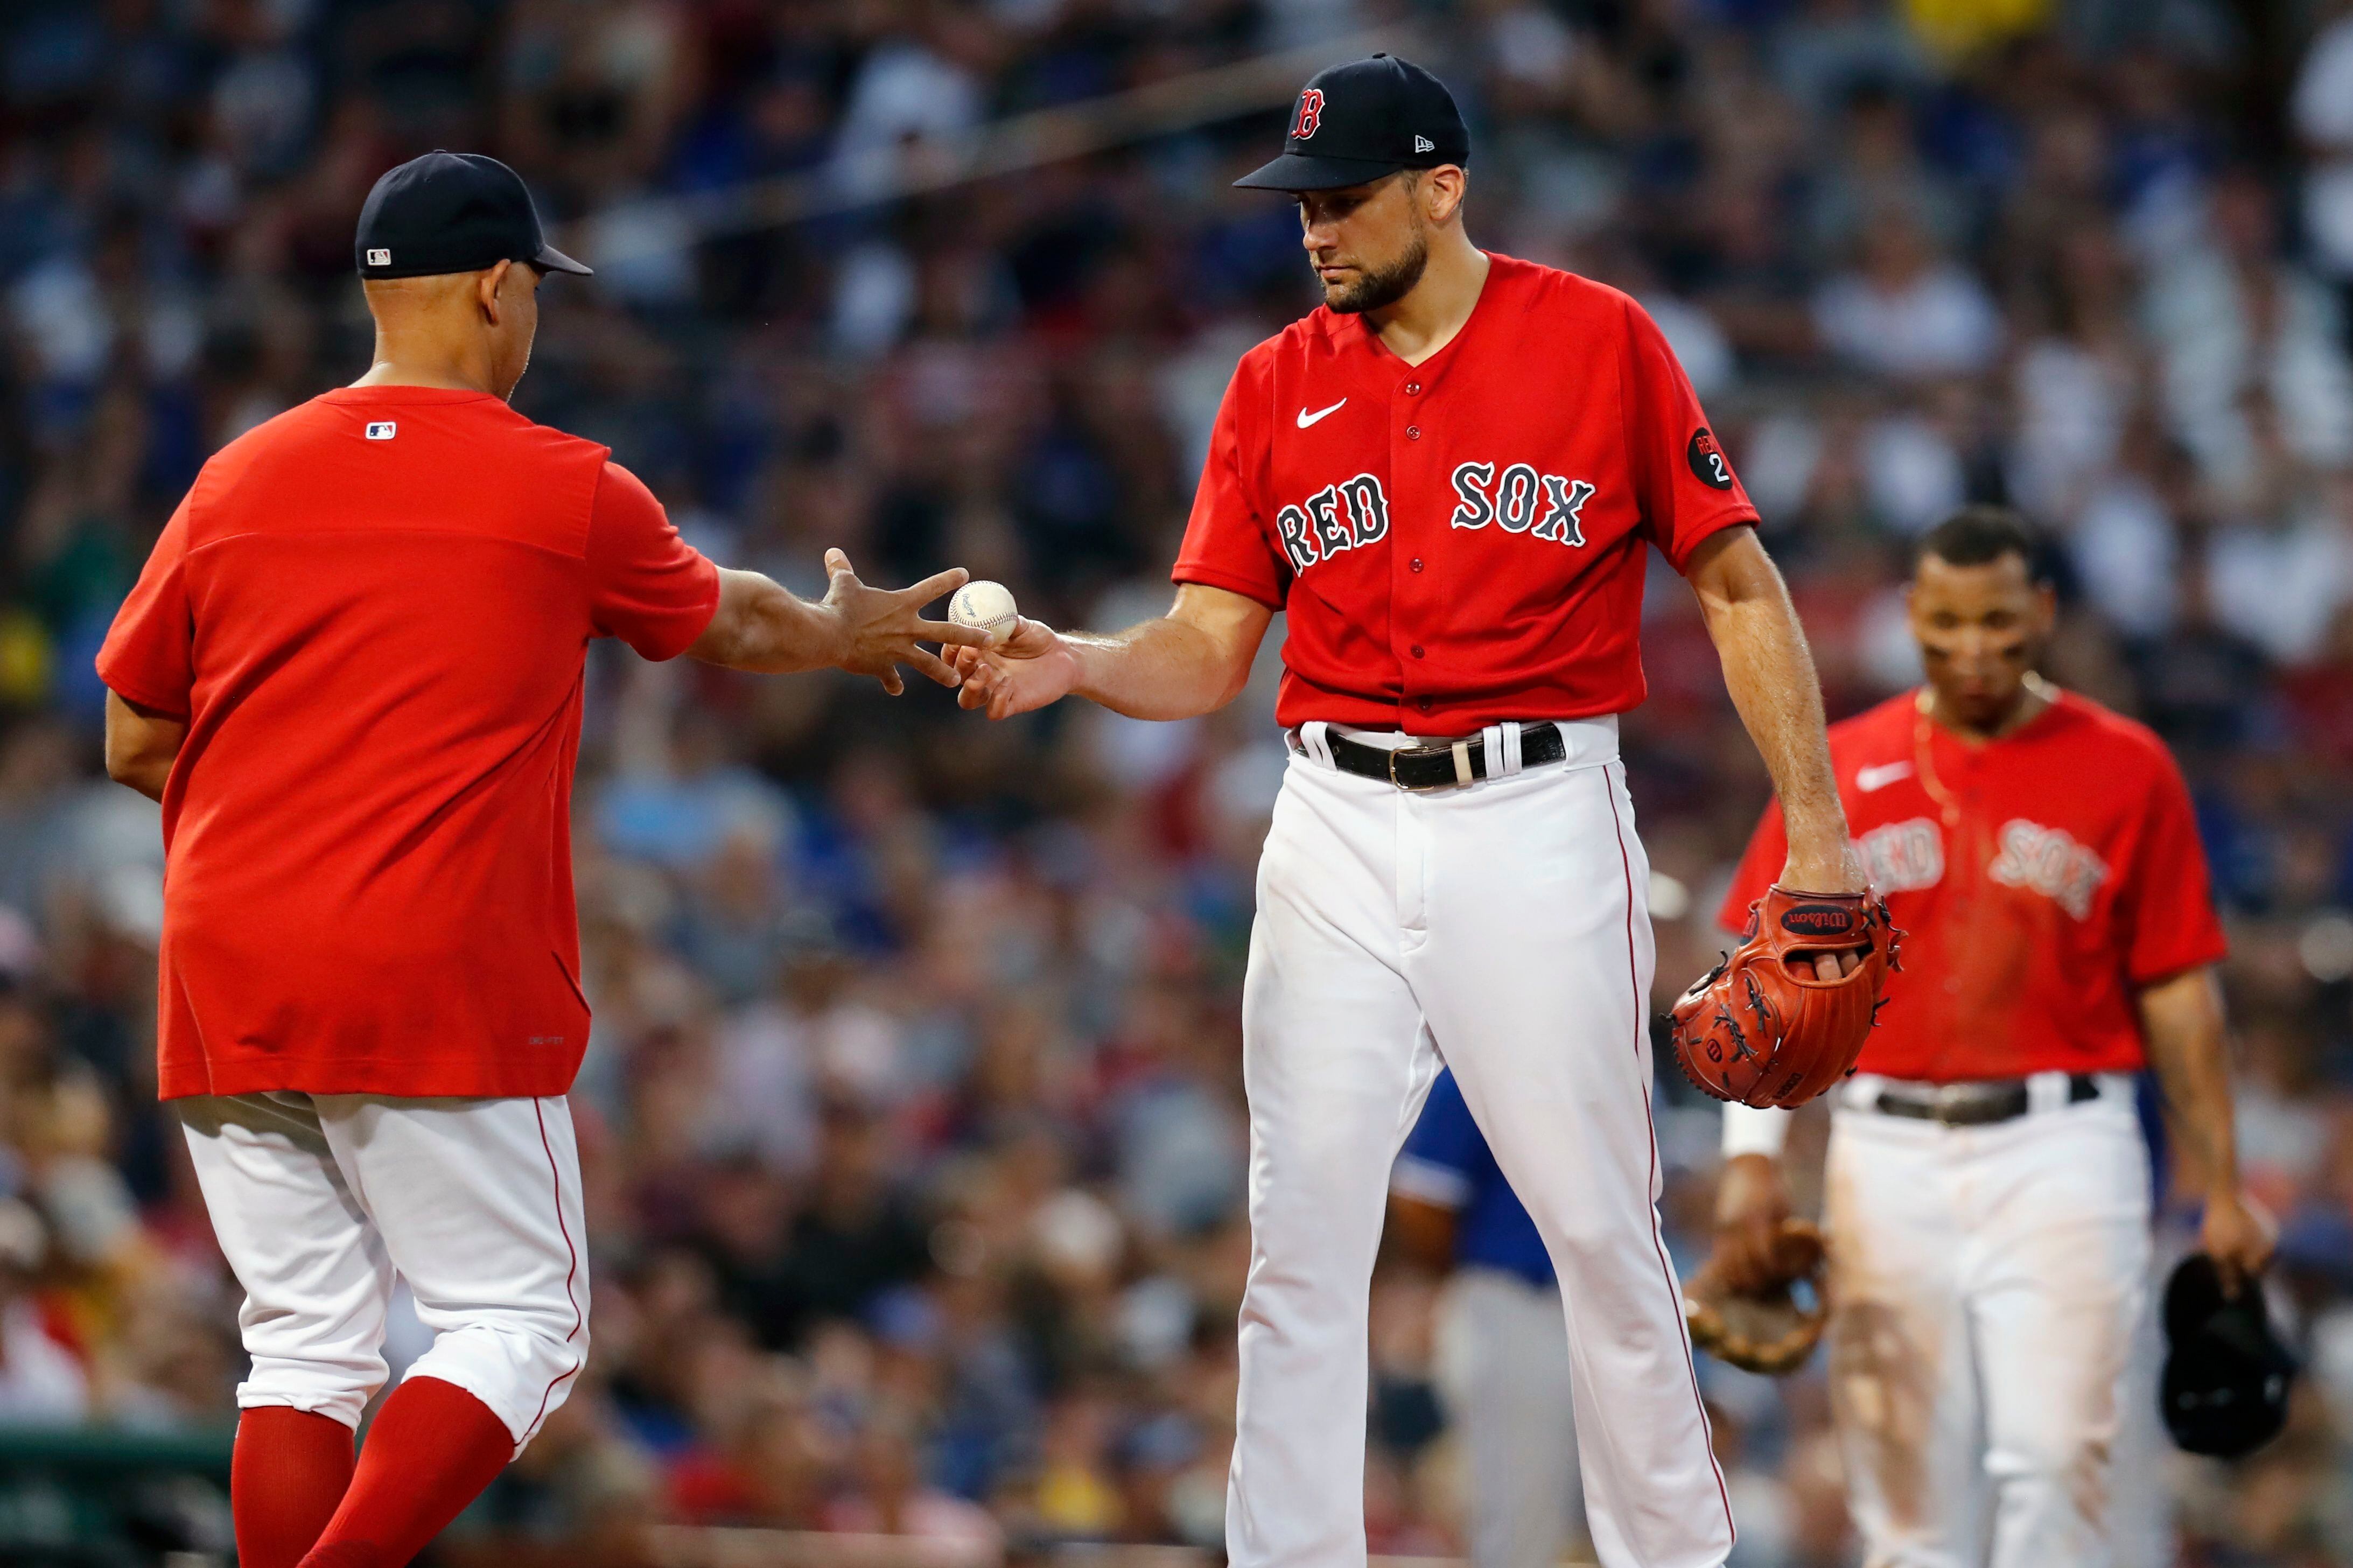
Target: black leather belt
[
  {"x": 1447, "y": 766},
  {"x": 1975, "y": 1103}
]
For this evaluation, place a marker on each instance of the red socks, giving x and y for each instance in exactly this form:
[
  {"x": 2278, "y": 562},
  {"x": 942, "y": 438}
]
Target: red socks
[
  {"x": 433, "y": 1449},
  {"x": 285, "y": 1478}
]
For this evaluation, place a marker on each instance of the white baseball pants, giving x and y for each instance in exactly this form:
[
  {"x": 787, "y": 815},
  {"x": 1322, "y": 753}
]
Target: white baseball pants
[
  {"x": 1501, "y": 927},
  {"x": 1503, "y": 1376},
  {"x": 319, "y": 1200},
  {"x": 1984, "y": 1283}
]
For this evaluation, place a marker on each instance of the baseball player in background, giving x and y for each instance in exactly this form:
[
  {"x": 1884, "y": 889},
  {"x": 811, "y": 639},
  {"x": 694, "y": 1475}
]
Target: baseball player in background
[
  {"x": 1988, "y": 1186},
  {"x": 352, "y": 673},
  {"x": 1502, "y": 1366},
  {"x": 1450, "y": 475}
]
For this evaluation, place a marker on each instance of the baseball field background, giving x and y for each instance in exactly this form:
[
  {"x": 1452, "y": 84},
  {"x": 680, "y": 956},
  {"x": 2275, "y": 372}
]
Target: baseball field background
[{"x": 913, "y": 1120}]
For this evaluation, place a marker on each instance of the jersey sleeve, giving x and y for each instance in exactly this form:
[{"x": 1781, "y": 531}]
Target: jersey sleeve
[
  {"x": 1682, "y": 479},
  {"x": 1769, "y": 850},
  {"x": 2164, "y": 909},
  {"x": 645, "y": 585},
  {"x": 1441, "y": 1153},
  {"x": 1229, "y": 542},
  {"x": 149, "y": 655}
]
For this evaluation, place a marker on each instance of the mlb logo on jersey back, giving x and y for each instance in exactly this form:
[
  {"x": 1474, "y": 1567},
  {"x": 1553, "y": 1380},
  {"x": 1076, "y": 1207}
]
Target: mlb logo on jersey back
[{"x": 381, "y": 429}]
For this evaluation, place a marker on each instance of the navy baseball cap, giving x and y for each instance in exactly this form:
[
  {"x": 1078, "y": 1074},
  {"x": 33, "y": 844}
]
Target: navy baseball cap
[
  {"x": 1363, "y": 120},
  {"x": 451, "y": 212},
  {"x": 2224, "y": 1389}
]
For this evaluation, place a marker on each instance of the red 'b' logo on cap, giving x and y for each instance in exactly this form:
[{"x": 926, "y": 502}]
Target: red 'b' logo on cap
[{"x": 1310, "y": 114}]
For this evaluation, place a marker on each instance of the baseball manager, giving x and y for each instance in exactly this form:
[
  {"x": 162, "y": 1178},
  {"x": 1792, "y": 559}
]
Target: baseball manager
[{"x": 352, "y": 673}]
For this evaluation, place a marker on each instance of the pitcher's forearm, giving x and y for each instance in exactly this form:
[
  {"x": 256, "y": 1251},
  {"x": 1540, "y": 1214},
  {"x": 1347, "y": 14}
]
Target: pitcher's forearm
[
  {"x": 1194, "y": 658},
  {"x": 1769, "y": 672},
  {"x": 1157, "y": 669}
]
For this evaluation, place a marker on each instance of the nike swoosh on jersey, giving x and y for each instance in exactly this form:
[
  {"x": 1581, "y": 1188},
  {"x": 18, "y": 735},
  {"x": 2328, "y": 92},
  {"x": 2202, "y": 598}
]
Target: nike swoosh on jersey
[
  {"x": 1870, "y": 779},
  {"x": 1305, "y": 419}
]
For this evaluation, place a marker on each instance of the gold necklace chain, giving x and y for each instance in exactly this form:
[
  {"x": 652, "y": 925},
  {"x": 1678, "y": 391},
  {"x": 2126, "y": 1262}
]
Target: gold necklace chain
[{"x": 1923, "y": 750}]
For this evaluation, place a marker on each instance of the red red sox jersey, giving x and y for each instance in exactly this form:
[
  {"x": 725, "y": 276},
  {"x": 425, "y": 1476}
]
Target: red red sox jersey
[
  {"x": 2041, "y": 879},
  {"x": 1461, "y": 541},
  {"x": 374, "y": 613}
]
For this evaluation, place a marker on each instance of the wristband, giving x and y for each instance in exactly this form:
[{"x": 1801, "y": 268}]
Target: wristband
[{"x": 1754, "y": 1130}]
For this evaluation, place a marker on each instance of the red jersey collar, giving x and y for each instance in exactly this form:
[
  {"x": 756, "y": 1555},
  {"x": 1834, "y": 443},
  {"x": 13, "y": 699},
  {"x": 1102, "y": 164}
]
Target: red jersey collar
[
  {"x": 2055, "y": 697},
  {"x": 378, "y": 396},
  {"x": 1500, "y": 268}
]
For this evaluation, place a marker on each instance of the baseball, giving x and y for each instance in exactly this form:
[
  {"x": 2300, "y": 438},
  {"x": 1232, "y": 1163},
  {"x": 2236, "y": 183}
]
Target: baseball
[{"x": 987, "y": 606}]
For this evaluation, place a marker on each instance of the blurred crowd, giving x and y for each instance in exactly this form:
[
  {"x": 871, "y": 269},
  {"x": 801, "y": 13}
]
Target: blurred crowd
[{"x": 912, "y": 1119}]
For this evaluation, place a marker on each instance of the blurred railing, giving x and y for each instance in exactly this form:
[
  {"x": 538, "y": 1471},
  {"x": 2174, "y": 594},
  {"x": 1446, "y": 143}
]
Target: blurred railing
[
  {"x": 636, "y": 229},
  {"x": 96, "y": 1497},
  {"x": 683, "y": 1546},
  {"x": 75, "y": 1497}
]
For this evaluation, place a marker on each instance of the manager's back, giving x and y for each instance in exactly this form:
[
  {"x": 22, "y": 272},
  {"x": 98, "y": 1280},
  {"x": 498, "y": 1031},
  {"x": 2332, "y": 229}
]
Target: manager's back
[
  {"x": 373, "y": 613},
  {"x": 351, "y": 672}
]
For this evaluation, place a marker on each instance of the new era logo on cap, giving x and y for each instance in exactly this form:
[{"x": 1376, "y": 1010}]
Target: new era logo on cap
[
  {"x": 1359, "y": 122},
  {"x": 381, "y": 429},
  {"x": 379, "y": 259}
]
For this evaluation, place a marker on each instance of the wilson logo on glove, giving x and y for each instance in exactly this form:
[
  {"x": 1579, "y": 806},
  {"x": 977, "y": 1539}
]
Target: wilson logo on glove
[
  {"x": 1763, "y": 1027},
  {"x": 1818, "y": 920}
]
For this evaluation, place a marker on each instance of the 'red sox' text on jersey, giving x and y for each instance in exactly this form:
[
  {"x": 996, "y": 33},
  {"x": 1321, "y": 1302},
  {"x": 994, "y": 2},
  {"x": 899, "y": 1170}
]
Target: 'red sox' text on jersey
[
  {"x": 1461, "y": 541},
  {"x": 2040, "y": 879}
]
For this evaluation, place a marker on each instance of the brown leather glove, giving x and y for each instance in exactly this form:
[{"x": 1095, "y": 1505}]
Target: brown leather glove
[
  {"x": 1768, "y": 1332},
  {"x": 1762, "y": 1027}
]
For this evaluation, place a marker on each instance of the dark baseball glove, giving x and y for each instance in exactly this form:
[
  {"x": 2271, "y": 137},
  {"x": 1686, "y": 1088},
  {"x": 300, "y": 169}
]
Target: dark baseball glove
[
  {"x": 1761, "y": 1027},
  {"x": 1772, "y": 1333}
]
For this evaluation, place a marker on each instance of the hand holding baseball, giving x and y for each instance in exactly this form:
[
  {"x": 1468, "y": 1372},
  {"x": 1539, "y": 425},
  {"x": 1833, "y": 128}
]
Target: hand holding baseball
[
  {"x": 986, "y": 608},
  {"x": 1022, "y": 666}
]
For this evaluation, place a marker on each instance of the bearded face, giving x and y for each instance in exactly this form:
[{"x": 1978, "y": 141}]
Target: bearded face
[
  {"x": 1367, "y": 244},
  {"x": 1383, "y": 284}
]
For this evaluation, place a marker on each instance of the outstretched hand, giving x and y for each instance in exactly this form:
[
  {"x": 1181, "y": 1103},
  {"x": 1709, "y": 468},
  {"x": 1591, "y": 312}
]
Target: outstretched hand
[
  {"x": 882, "y": 628},
  {"x": 1030, "y": 668}
]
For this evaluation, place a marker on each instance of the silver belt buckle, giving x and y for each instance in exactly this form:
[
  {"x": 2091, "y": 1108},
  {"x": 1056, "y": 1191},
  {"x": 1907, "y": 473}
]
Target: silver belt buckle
[
  {"x": 1420, "y": 751},
  {"x": 1966, "y": 1103}
]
